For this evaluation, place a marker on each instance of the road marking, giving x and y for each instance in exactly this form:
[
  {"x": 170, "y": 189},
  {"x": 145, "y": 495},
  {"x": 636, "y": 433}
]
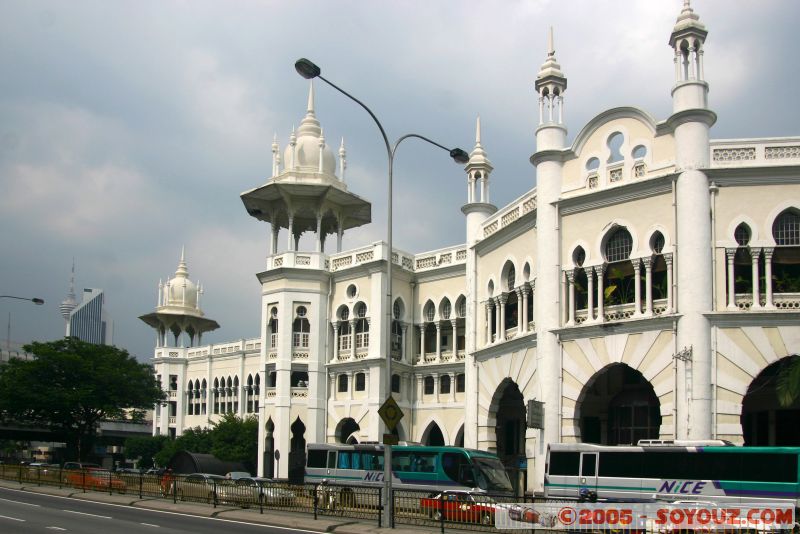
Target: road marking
[
  {"x": 149, "y": 525},
  {"x": 56, "y": 528},
  {"x": 84, "y": 513},
  {"x": 19, "y": 502},
  {"x": 12, "y": 518}
]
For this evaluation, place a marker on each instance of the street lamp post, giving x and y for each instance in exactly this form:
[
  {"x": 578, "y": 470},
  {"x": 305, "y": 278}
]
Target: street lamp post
[
  {"x": 35, "y": 300},
  {"x": 308, "y": 70}
]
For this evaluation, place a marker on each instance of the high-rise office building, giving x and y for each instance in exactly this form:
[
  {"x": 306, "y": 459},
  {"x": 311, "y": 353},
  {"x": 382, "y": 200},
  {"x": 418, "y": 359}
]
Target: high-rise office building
[{"x": 88, "y": 321}]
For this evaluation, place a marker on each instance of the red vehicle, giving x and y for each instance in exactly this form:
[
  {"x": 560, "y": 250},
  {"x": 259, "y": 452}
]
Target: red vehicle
[
  {"x": 460, "y": 506},
  {"x": 92, "y": 478}
]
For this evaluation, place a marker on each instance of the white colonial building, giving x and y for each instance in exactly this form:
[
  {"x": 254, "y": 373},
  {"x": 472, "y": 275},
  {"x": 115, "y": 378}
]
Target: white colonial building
[{"x": 647, "y": 287}]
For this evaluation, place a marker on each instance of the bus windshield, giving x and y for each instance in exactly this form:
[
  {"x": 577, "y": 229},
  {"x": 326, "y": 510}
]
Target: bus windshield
[{"x": 491, "y": 475}]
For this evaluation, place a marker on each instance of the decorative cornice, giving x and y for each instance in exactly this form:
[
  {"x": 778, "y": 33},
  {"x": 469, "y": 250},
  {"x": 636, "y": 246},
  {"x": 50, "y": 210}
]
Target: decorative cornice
[
  {"x": 478, "y": 207},
  {"x": 551, "y": 155},
  {"x": 728, "y": 176},
  {"x": 763, "y": 318},
  {"x": 628, "y": 326},
  {"x": 617, "y": 195},
  {"x": 705, "y": 116},
  {"x": 505, "y": 234}
]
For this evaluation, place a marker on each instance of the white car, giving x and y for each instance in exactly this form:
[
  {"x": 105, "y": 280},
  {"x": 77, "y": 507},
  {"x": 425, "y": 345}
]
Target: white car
[{"x": 250, "y": 491}]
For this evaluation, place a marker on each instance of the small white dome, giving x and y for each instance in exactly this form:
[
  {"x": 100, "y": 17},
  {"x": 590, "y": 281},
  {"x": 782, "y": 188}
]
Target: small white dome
[
  {"x": 307, "y": 142},
  {"x": 180, "y": 290}
]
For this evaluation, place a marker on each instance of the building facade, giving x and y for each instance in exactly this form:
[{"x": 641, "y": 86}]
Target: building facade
[{"x": 647, "y": 287}]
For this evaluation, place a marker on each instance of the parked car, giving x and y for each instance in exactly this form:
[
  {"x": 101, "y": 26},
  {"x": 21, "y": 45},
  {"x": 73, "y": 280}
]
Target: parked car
[
  {"x": 236, "y": 475},
  {"x": 79, "y": 465},
  {"x": 94, "y": 478},
  {"x": 460, "y": 506},
  {"x": 200, "y": 486},
  {"x": 247, "y": 491}
]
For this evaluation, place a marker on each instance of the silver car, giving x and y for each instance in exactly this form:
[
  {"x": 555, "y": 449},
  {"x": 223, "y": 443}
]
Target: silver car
[{"x": 250, "y": 491}]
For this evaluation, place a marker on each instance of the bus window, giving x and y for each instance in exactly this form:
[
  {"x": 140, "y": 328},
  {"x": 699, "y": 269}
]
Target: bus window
[
  {"x": 401, "y": 461},
  {"x": 317, "y": 458},
  {"x": 423, "y": 462},
  {"x": 564, "y": 463},
  {"x": 331, "y": 459},
  {"x": 344, "y": 460},
  {"x": 372, "y": 461},
  {"x": 356, "y": 460},
  {"x": 589, "y": 464},
  {"x": 457, "y": 468}
]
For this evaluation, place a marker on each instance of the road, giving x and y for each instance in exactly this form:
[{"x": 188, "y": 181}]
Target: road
[{"x": 22, "y": 512}]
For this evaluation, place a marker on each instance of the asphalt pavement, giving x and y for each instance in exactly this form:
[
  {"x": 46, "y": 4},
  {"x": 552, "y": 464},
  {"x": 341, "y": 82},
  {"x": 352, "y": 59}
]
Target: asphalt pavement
[{"x": 296, "y": 520}]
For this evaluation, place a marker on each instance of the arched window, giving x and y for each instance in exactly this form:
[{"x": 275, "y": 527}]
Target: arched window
[
  {"x": 203, "y": 392},
  {"x": 190, "y": 397},
  {"x": 362, "y": 326},
  {"x": 786, "y": 257},
  {"x": 512, "y": 311},
  {"x": 461, "y": 307},
  {"x": 361, "y": 382},
  {"x": 300, "y": 329},
  {"x": 619, "y": 280},
  {"x": 444, "y": 384},
  {"x": 430, "y": 311},
  {"x": 461, "y": 383},
  {"x": 345, "y": 335},
  {"x": 342, "y": 383},
  {"x": 619, "y": 245},
  {"x": 216, "y": 395},
  {"x": 428, "y": 383},
  {"x": 273, "y": 328},
  {"x": 742, "y": 235},
  {"x": 511, "y": 278},
  {"x": 445, "y": 309},
  {"x": 397, "y": 339}
]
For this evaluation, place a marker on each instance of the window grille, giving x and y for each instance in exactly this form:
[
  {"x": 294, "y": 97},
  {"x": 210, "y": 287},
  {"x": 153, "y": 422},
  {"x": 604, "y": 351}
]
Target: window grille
[
  {"x": 396, "y": 309},
  {"x": 786, "y": 229},
  {"x": 462, "y": 308},
  {"x": 429, "y": 312},
  {"x": 658, "y": 242},
  {"x": 446, "y": 309},
  {"x": 619, "y": 245},
  {"x": 361, "y": 310},
  {"x": 742, "y": 235},
  {"x": 511, "y": 277}
]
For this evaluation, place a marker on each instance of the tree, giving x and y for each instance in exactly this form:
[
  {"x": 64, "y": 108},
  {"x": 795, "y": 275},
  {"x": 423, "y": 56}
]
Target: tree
[
  {"x": 236, "y": 440},
  {"x": 71, "y": 386},
  {"x": 144, "y": 449},
  {"x": 193, "y": 439}
]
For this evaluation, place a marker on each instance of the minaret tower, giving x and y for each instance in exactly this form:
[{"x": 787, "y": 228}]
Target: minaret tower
[
  {"x": 477, "y": 210},
  {"x": 548, "y": 159},
  {"x": 690, "y": 121},
  {"x": 69, "y": 303}
]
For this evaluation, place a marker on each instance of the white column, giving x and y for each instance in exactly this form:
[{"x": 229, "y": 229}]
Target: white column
[
  {"x": 352, "y": 339},
  {"x": 501, "y": 317},
  {"x": 273, "y": 246},
  {"x": 589, "y": 294},
  {"x": 438, "y": 341},
  {"x": 599, "y": 269},
  {"x": 350, "y": 385},
  {"x": 404, "y": 342},
  {"x": 319, "y": 228},
  {"x": 571, "y": 304},
  {"x": 489, "y": 322},
  {"x": 335, "y": 340},
  {"x": 670, "y": 295},
  {"x": 453, "y": 343},
  {"x": 755, "y": 253},
  {"x": 422, "y": 341},
  {"x": 291, "y": 233},
  {"x": 526, "y": 290},
  {"x": 768, "y": 277},
  {"x": 648, "y": 283},
  {"x": 637, "y": 290},
  {"x": 730, "y": 254},
  {"x": 520, "y": 319}
]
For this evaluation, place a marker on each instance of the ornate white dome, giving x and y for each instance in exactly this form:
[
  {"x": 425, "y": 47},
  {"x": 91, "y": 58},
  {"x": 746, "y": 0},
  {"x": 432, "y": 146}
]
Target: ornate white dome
[
  {"x": 305, "y": 153},
  {"x": 180, "y": 291}
]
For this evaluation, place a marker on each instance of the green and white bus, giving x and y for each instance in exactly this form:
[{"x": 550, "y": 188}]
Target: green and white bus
[
  {"x": 673, "y": 470},
  {"x": 413, "y": 467}
]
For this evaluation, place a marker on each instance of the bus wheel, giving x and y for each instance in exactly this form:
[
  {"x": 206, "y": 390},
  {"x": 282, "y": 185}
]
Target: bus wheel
[{"x": 347, "y": 498}]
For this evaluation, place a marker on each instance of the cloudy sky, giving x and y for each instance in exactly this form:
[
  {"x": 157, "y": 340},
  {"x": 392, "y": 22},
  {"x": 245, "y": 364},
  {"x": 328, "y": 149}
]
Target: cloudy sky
[{"x": 129, "y": 128}]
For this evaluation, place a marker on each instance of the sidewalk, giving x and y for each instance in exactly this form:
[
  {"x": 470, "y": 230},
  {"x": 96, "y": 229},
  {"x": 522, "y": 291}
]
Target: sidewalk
[{"x": 277, "y": 518}]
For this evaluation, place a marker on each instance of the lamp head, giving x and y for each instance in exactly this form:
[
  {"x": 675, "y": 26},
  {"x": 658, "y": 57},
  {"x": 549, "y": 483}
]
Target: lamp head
[
  {"x": 459, "y": 156},
  {"x": 306, "y": 68},
  {"x": 37, "y": 301}
]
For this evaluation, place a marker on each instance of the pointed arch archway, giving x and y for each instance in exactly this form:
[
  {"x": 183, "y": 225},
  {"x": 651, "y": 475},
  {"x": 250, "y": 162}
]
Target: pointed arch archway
[
  {"x": 297, "y": 452},
  {"x": 269, "y": 449},
  {"x": 764, "y": 421},
  {"x": 459, "y": 441},
  {"x": 433, "y": 436},
  {"x": 618, "y": 406},
  {"x": 346, "y": 429}
]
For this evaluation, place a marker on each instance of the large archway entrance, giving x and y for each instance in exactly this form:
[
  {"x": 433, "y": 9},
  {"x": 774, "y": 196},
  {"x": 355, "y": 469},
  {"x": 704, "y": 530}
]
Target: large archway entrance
[
  {"x": 346, "y": 429},
  {"x": 618, "y": 407},
  {"x": 764, "y": 420},
  {"x": 297, "y": 454},
  {"x": 433, "y": 436},
  {"x": 269, "y": 449},
  {"x": 510, "y": 429}
]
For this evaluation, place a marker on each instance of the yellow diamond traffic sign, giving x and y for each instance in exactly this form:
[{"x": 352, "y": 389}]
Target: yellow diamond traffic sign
[{"x": 390, "y": 413}]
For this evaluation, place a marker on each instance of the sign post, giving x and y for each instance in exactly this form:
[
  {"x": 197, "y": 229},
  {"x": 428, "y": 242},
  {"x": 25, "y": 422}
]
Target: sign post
[{"x": 390, "y": 414}]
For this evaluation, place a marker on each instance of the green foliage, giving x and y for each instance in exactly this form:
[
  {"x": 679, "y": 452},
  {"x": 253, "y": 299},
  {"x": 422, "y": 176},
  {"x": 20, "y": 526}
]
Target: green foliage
[
  {"x": 788, "y": 386},
  {"x": 193, "y": 439},
  {"x": 71, "y": 386},
  {"x": 144, "y": 448},
  {"x": 620, "y": 288},
  {"x": 236, "y": 440}
]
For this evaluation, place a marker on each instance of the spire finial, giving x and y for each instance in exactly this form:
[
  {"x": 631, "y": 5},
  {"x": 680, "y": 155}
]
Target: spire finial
[
  {"x": 478, "y": 131},
  {"x": 182, "y": 271},
  {"x": 550, "y": 46},
  {"x": 311, "y": 97}
]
